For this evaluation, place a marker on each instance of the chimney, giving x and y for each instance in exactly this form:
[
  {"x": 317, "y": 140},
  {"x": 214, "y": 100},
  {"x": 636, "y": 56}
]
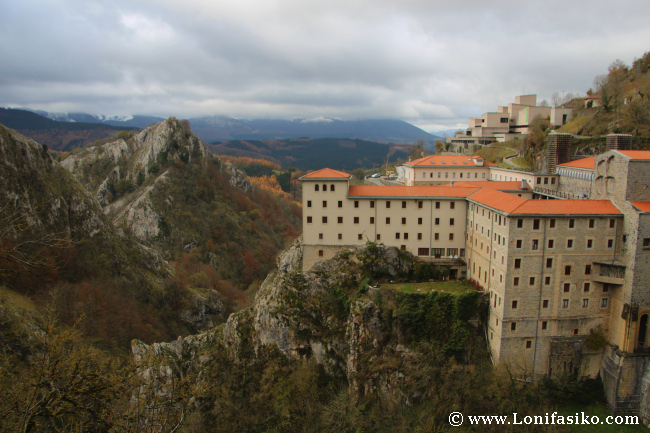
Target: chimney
[
  {"x": 523, "y": 184},
  {"x": 452, "y": 183}
]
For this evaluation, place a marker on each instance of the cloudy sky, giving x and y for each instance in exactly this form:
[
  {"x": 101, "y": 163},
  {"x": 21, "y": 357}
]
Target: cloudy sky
[{"x": 432, "y": 63}]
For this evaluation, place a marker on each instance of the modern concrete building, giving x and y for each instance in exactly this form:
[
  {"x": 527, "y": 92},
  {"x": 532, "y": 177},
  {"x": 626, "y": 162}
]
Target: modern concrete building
[
  {"x": 557, "y": 271},
  {"x": 509, "y": 122}
]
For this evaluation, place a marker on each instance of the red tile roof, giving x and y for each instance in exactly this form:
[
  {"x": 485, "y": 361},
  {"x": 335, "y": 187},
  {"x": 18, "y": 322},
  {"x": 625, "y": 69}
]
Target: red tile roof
[
  {"x": 643, "y": 206},
  {"x": 326, "y": 173},
  {"x": 448, "y": 161},
  {"x": 408, "y": 191},
  {"x": 491, "y": 184},
  {"x": 588, "y": 162},
  {"x": 514, "y": 205},
  {"x": 636, "y": 154}
]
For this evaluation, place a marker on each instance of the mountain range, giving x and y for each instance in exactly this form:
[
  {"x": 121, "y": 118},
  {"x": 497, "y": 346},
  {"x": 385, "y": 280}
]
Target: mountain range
[{"x": 222, "y": 128}]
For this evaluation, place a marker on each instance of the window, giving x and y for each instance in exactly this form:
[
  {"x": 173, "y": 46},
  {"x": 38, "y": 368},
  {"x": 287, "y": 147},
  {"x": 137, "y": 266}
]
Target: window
[
  {"x": 545, "y": 303},
  {"x": 605, "y": 288},
  {"x": 332, "y": 187},
  {"x": 403, "y": 204},
  {"x": 324, "y": 220},
  {"x": 451, "y": 236},
  {"x": 535, "y": 224},
  {"x": 356, "y": 203},
  {"x": 544, "y": 325},
  {"x": 569, "y": 243},
  {"x": 340, "y": 220},
  {"x": 403, "y": 220},
  {"x": 575, "y": 331},
  {"x": 320, "y": 236},
  {"x": 519, "y": 243},
  {"x": 551, "y": 223},
  {"x": 419, "y": 236},
  {"x": 356, "y": 220},
  {"x": 437, "y": 252},
  {"x": 420, "y": 204},
  {"x": 437, "y": 221},
  {"x": 531, "y": 281},
  {"x": 550, "y": 243},
  {"x": 378, "y": 237},
  {"x": 397, "y": 235},
  {"x": 513, "y": 326},
  {"x": 567, "y": 287},
  {"x": 646, "y": 242},
  {"x": 603, "y": 302},
  {"x": 585, "y": 303},
  {"x": 402, "y": 247},
  {"x": 436, "y": 236},
  {"x": 372, "y": 220},
  {"x": 406, "y": 235},
  {"x": 308, "y": 203},
  {"x": 437, "y": 205},
  {"x": 452, "y": 205},
  {"x": 387, "y": 220},
  {"x": 340, "y": 203},
  {"x": 529, "y": 344},
  {"x": 567, "y": 270},
  {"x": 535, "y": 246},
  {"x": 324, "y": 187},
  {"x": 546, "y": 181},
  {"x": 514, "y": 305},
  {"x": 423, "y": 251},
  {"x": 387, "y": 204},
  {"x": 572, "y": 223},
  {"x": 372, "y": 204},
  {"x": 520, "y": 223},
  {"x": 590, "y": 243},
  {"x": 324, "y": 203},
  {"x": 316, "y": 187},
  {"x": 610, "y": 243},
  {"x": 592, "y": 223},
  {"x": 612, "y": 223},
  {"x": 586, "y": 287},
  {"x": 420, "y": 221},
  {"x": 320, "y": 252},
  {"x": 451, "y": 221},
  {"x": 565, "y": 303},
  {"x": 516, "y": 281},
  {"x": 308, "y": 220},
  {"x": 549, "y": 263},
  {"x": 547, "y": 281},
  {"x": 587, "y": 269},
  {"x": 517, "y": 263}
]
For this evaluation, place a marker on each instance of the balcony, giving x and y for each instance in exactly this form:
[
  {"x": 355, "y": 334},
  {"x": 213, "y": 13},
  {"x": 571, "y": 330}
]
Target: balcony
[{"x": 610, "y": 273}]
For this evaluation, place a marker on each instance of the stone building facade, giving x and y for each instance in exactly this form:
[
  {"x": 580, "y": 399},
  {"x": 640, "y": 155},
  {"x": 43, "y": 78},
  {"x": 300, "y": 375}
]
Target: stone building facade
[{"x": 557, "y": 271}]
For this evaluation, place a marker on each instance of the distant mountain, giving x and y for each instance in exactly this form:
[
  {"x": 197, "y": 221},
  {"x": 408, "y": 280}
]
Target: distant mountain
[
  {"x": 220, "y": 128},
  {"x": 448, "y": 132},
  {"x": 56, "y": 135},
  {"x": 314, "y": 153}
]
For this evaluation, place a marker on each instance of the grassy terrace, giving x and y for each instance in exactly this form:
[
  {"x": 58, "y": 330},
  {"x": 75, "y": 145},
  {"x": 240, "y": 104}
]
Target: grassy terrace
[{"x": 438, "y": 286}]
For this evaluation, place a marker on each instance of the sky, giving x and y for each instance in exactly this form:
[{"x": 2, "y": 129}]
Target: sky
[{"x": 431, "y": 63}]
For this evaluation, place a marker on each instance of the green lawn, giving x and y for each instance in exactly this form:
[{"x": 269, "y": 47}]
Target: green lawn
[{"x": 439, "y": 286}]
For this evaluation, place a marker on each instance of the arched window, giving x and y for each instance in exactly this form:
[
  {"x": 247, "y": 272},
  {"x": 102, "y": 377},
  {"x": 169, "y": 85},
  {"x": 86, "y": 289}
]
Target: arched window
[
  {"x": 324, "y": 187},
  {"x": 332, "y": 187},
  {"x": 316, "y": 187}
]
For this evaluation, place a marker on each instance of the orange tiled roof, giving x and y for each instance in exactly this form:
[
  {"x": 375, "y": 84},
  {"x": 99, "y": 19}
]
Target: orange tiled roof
[
  {"x": 326, "y": 173},
  {"x": 447, "y": 161},
  {"x": 643, "y": 206},
  {"x": 408, "y": 191},
  {"x": 636, "y": 154},
  {"x": 491, "y": 184},
  {"x": 520, "y": 206},
  {"x": 588, "y": 162}
]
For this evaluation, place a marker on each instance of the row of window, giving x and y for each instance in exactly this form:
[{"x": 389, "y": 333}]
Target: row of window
[
  {"x": 549, "y": 264},
  {"x": 356, "y": 220},
  {"x": 547, "y": 282},
  {"x": 317, "y": 187},
  {"x": 453, "y": 175},
  {"x": 452, "y": 204},
  {"x": 569, "y": 244},
  {"x": 439, "y": 252},
  {"x": 398, "y": 235},
  {"x": 604, "y": 302},
  {"x": 571, "y": 223}
]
